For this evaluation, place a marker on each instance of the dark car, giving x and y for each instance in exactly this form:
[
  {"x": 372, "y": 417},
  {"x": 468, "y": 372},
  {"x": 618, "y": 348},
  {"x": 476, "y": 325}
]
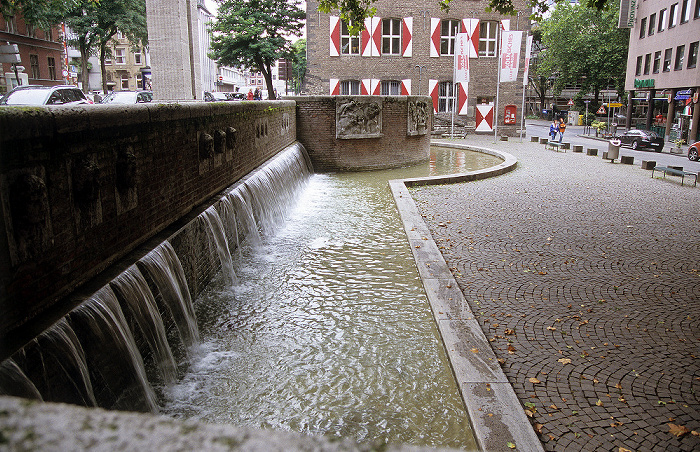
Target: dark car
[
  {"x": 640, "y": 139},
  {"x": 45, "y": 95},
  {"x": 127, "y": 97},
  {"x": 694, "y": 151}
]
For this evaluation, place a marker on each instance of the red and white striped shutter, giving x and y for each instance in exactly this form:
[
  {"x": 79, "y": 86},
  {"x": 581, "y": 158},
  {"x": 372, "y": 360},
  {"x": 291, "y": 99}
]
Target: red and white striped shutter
[
  {"x": 406, "y": 87},
  {"x": 434, "y": 37},
  {"x": 433, "y": 89},
  {"x": 471, "y": 27},
  {"x": 365, "y": 87},
  {"x": 484, "y": 118},
  {"x": 505, "y": 24},
  {"x": 366, "y": 38},
  {"x": 376, "y": 36},
  {"x": 462, "y": 99},
  {"x": 335, "y": 86},
  {"x": 407, "y": 37},
  {"x": 376, "y": 87},
  {"x": 335, "y": 36}
]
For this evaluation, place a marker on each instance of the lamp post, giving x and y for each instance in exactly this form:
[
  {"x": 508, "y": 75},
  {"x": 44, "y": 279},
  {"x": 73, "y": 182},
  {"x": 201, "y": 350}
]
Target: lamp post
[
  {"x": 420, "y": 74},
  {"x": 586, "y": 130}
]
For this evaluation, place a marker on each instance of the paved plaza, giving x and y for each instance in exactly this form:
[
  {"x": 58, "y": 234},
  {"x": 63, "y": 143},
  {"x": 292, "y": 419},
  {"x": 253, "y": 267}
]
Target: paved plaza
[{"x": 585, "y": 278}]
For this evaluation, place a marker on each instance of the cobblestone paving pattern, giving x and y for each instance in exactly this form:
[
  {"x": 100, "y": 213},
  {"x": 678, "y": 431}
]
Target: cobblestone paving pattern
[{"x": 585, "y": 277}]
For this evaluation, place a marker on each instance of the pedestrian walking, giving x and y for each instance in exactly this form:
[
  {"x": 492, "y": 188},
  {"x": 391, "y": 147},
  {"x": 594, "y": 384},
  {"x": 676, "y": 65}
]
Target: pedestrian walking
[
  {"x": 257, "y": 95},
  {"x": 250, "y": 95},
  {"x": 553, "y": 129},
  {"x": 562, "y": 128}
]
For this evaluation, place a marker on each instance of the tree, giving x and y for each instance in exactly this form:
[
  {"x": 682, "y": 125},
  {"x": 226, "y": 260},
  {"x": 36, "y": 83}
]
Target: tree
[
  {"x": 583, "y": 46},
  {"x": 298, "y": 58},
  {"x": 41, "y": 13},
  {"x": 253, "y": 34}
]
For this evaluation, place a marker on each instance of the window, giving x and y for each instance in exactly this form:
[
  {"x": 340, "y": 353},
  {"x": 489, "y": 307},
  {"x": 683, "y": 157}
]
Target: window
[
  {"x": 125, "y": 81},
  {"x": 667, "y": 60},
  {"x": 685, "y": 11},
  {"x": 391, "y": 88},
  {"x": 31, "y": 31},
  {"x": 680, "y": 53},
  {"x": 662, "y": 20},
  {"x": 391, "y": 37},
  {"x": 657, "y": 62},
  {"x": 696, "y": 14},
  {"x": 349, "y": 45},
  {"x": 52, "y": 68},
  {"x": 647, "y": 63},
  {"x": 673, "y": 15},
  {"x": 643, "y": 28},
  {"x": 448, "y": 31},
  {"x": 446, "y": 98},
  {"x": 487, "y": 38},
  {"x": 120, "y": 56},
  {"x": 137, "y": 56},
  {"x": 10, "y": 24},
  {"x": 652, "y": 24},
  {"x": 350, "y": 88},
  {"x": 139, "y": 81},
  {"x": 34, "y": 64},
  {"x": 693, "y": 54},
  {"x": 638, "y": 71}
]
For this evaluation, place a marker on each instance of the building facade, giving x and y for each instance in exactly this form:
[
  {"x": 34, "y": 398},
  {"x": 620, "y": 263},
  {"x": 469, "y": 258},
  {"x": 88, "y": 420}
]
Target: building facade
[
  {"x": 663, "y": 76},
  {"x": 408, "y": 49},
  {"x": 41, "y": 53}
]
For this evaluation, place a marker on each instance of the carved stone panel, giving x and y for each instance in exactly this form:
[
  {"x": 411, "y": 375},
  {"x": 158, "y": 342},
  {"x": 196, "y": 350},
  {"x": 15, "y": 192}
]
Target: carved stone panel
[
  {"x": 357, "y": 117},
  {"x": 418, "y": 117}
]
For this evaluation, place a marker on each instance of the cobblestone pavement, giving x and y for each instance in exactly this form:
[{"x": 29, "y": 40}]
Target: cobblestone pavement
[{"x": 585, "y": 277}]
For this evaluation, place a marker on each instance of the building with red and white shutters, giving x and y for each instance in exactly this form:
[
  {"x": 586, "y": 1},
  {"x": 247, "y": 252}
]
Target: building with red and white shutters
[{"x": 408, "y": 47}]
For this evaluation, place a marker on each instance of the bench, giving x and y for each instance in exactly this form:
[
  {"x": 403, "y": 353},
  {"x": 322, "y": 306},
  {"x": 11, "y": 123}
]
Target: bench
[
  {"x": 555, "y": 146},
  {"x": 675, "y": 172}
]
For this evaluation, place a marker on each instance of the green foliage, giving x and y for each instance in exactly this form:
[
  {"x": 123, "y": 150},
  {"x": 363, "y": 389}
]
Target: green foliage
[
  {"x": 298, "y": 59},
  {"x": 583, "y": 45},
  {"x": 40, "y": 13},
  {"x": 254, "y": 33}
]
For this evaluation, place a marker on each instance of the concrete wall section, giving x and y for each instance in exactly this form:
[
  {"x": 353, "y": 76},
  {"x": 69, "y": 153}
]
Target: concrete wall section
[
  {"x": 395, "y": 147},
  {"x": 81, "y": 187}
]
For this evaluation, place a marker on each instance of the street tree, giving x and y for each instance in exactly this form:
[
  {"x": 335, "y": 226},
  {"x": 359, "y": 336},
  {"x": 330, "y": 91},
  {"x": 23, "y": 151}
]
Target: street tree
[
  {"x": 40, "y": 13},
  {"x": 583, "y": 46},
  {"x": 255, "y": 33},
  {"x": 298, "y": 58}
]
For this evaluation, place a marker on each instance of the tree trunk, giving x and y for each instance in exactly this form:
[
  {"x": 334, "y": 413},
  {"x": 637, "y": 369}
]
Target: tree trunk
[
  {"x": 267, "y": 73},
  {"x": 103, "y": 53},
  {"x": 84, "y": 55}
]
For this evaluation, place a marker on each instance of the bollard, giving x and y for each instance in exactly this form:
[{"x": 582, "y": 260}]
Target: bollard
[
  {"x": 627, "y": 160},
  {"x": 592, "y": 151},
  {"x": 543, "y": 140},
  {"x": 534, "y": 139},
  {"x": 566, "y": 145},
  {"x": 578, "y": 148},
  {"x": 504, "y": 138},
  {"x": 648, "y": 164},
  {"x": 605, "y": 155}
]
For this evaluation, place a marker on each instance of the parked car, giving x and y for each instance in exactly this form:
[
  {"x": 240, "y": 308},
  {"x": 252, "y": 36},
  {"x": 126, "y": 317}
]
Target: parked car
[
  {"x": 236, "y": 96},
  {"x": 45, "y": 95},
  {"x": 127, "y": 97},
  {"x": 694, "y": 151},
  {"x": 639, "y": 139},
  {"x": 215, "y": 97}
]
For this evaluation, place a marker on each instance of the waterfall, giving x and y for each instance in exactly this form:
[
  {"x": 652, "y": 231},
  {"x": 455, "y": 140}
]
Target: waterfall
[
  {"x": 113, "y": 352},
  {"x": 163, "y": 266},
  {"x": 217, "y": 236},
  {"x": 240, "y": 198},
  {"x": 131, "y": 287},
  {"x": 14, "y": 382},
  {"x": 229, "y": 221}
]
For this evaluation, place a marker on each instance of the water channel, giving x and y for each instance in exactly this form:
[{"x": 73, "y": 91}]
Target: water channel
[{"x": 327, "y": 329}]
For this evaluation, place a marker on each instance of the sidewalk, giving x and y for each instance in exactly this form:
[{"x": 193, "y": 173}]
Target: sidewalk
[{"x": 585, "y": 278}]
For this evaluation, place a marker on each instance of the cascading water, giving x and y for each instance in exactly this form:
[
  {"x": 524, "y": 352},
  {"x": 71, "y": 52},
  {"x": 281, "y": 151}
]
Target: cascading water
[
  {"x": 14, "y": 382},
  {"x": 217, "y": 236},
  {"x": 131, "y": 287}
]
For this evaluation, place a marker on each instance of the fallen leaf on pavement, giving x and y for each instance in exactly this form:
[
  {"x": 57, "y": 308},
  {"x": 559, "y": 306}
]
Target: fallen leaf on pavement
[
  {"x": 677, "y": 430},
  {"x": 564, "y": 360}
]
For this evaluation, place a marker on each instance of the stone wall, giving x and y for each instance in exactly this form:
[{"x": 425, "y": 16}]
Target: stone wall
[
  {"x": 389, "y": 141},
  {"x": 81, "y": 187}
]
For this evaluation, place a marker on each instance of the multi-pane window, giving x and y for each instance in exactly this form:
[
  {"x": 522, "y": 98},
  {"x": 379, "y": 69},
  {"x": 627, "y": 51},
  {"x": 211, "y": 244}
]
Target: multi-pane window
[
  {"x": 647, "y": 63},
  {"x": 672, "y": 15},
  {"x": 139, "y": 80},
  {"x": 10, "y": 24},
  {"x": 652, "y": 24},
  {"x": 120, "y": 56},
  {"x": 350, "y": 88},
  {"x": 391, "y": 36},
  {"x": 125, "y": 81},
  {"x": 662, "y": 20},
  {"x": 487, "y": 38},
  {"x": 391, "y": 88},
  {"x": 638, "y": 71},
  {"x": 680, "y": 54},
  {"x": 667, "y": 59},
  {"x": 446, "y": 98},
  {"x": 693, "y": 54},
  {"x": 448, "y": 31},
  {"x": 685, "y": 11},
  {"x": 137, "y": 56},
  {"x": 643, "y": 28},
  {"x": 349, "y": 44},
  {"x": 52, "y": 68},
  {"x": 696, "y": 14},
  {"x": 34, "y": 64},
  {"x": 657, "y": 62}
]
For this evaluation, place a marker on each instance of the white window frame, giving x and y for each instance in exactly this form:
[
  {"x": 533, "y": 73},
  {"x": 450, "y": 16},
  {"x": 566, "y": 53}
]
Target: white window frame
[
  {"x": 673, "y": 15},
  {"x": 448, "y": 33},
  {"x": 446, "y": 97},
  {"x": 124, "y": 78},
  {"x": 120, "y": 54},
  {"x": 488, "y": 46},
  {"x": 685, "y": 11},
  {"x": 662, "y": 20},
  {"x": 349, "y": 44},
  {"x": 390, "y": 88},
  {"x": 137, "y": 57},
  {"x": 350, "y": 88},
  {"x": 391, "y": 36}
]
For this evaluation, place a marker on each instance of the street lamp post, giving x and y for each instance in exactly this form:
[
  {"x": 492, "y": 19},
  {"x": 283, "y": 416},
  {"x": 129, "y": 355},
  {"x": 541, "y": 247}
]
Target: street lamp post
[
  {"x": 586, "y": 130},
  {"x": 420, "y": 73}
]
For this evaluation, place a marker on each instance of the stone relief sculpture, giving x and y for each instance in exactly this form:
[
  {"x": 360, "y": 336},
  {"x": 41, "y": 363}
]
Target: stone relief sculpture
[
  {"x": 358, "y": 118},
  {"x": 418, "y": 117}
]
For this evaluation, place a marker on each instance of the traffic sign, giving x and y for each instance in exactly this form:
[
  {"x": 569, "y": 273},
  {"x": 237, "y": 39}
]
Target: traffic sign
[
  {"x": 615, "y": 105},
  {"x": 601, "y": 110},
  {"x": 570, "y": 103}
]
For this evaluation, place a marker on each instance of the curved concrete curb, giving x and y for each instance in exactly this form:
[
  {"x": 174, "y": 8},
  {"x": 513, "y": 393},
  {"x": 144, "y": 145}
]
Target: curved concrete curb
[{"x": 497, "y": 418}]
